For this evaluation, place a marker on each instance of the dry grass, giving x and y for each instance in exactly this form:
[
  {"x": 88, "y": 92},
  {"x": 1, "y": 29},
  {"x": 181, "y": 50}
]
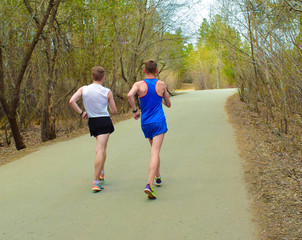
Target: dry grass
[{"x": 273, "y": 167}]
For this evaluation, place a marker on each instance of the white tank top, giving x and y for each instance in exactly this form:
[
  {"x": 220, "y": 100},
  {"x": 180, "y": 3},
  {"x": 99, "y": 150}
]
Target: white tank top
[{"x": 95, "y": 100}]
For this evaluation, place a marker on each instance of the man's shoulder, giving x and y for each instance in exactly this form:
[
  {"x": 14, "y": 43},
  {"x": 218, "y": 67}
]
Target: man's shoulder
[
  {"x": 100, "y": 86},
  {"x": 140, "y": 83},
  {"x": 82, "y": 88},
  {"x": 161, "y": 84}
]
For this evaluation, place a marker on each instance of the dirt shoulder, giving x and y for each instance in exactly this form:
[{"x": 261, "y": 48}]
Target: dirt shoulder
[
  {"x": 273, "y": 170},
  {"x": 33, "y": 139}
]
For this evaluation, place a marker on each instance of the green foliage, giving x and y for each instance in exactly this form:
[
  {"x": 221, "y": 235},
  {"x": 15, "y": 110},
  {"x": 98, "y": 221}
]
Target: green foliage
[
  {"x": 210, "y": 64},
  {"x": 119, "y": 35}
]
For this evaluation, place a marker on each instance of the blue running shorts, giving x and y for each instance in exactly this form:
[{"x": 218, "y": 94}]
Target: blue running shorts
[{"x": 153, "y": 129}]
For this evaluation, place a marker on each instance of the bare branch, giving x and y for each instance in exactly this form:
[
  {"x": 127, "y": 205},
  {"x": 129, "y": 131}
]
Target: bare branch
[
  {"x": 291, "y": 6},
  {"x": 29, "y": 52},
  {"x": 31, "y": 11}
]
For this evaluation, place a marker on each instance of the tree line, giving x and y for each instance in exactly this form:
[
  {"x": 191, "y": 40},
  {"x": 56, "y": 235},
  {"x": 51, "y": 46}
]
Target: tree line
[
  {"x": 47, "y": 50},
  {"x": 256, "y": 44}
]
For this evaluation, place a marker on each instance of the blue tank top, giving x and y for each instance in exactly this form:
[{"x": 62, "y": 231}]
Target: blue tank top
[{"x": 151, "y": 104}]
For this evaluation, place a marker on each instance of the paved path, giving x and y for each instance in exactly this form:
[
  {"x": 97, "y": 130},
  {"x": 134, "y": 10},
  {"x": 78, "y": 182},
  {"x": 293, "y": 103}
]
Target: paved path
[{"x": 47, "y": 195}]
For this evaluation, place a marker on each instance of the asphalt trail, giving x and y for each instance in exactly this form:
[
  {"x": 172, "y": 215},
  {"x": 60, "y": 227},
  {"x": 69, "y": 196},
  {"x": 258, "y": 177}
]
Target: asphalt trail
[{"x": 47, "y": 194}]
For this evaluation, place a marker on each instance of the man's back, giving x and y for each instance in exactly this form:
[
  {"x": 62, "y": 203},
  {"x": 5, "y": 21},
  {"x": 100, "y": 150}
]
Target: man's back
[
  {"x": 151, "y": 102},
  {"x": 95, "y": 100},
  {"x": 143, "y": 88}
]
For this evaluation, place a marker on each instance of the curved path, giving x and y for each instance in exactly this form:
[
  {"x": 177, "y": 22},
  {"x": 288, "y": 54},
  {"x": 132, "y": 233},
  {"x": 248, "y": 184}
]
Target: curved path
[{"x": 47, "y": 194}]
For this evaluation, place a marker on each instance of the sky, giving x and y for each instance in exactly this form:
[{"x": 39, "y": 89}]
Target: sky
[{"x": 192, "y": 16}]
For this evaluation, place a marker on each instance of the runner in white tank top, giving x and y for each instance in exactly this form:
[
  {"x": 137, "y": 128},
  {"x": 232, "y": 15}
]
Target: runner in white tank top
[{"x": 96, "y": 100}]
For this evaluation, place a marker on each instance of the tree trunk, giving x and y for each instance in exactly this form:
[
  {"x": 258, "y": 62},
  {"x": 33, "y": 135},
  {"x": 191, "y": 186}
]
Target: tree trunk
[
  {"x": 48, "y": 129},
  {"x": 218, "y": 68},
  {"x": 12, "y": 118},
  {"x": 47, "y": 123},
  {"x": 10, "y": 113},
  {"x": 16, "y": 133}
]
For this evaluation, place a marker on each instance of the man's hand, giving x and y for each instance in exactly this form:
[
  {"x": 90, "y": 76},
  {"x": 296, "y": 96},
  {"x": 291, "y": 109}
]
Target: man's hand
[
  {"x": 137, "y": 115},
  {"x": 84, "y": 115}
]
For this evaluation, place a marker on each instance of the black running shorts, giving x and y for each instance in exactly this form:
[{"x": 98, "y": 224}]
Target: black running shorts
[{"x": 100, "y": 125}]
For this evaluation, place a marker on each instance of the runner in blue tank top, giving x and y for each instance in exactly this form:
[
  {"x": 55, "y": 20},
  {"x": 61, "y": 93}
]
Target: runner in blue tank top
[{"x": 152, "y": 93}]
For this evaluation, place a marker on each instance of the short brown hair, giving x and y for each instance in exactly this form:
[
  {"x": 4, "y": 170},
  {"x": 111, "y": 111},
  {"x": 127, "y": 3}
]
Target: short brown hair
[
  {"x": 97, "y": 73},
  {"x": 150, "y": 66}
]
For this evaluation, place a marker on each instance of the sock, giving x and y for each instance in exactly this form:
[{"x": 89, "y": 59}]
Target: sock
[{"x": 96, "y": 181}]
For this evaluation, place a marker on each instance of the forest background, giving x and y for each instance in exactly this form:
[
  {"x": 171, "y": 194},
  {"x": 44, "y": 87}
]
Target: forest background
[{"x": 47, "y": 50}]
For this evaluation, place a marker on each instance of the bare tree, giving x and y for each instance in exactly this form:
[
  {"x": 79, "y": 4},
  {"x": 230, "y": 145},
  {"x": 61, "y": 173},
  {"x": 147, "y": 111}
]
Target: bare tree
[{"x": 10, "y": 108}]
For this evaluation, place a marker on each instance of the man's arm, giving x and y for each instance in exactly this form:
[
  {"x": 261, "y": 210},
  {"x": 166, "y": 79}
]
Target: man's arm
[
  {"x": 111, "y": 103},
  {"x": 166, "y": 98},
  {"x": 73, "y": 102},
  {"x": 131, "y": 100}
]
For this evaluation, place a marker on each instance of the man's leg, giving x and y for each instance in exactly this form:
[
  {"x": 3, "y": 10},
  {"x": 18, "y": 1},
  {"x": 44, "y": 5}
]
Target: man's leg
[
  {"x": 157, "y": 172},
  {"x": 156, "y": 144},
  {"x": 100, "y": 155}
]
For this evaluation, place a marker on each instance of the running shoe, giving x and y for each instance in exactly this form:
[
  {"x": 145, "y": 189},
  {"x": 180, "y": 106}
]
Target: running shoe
[
  {"x": 102, "y": 175},
  {"x": 150, "y": 191},
  {"x": 158, "y": 181},
  {"x": 97, "y": 187}
]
